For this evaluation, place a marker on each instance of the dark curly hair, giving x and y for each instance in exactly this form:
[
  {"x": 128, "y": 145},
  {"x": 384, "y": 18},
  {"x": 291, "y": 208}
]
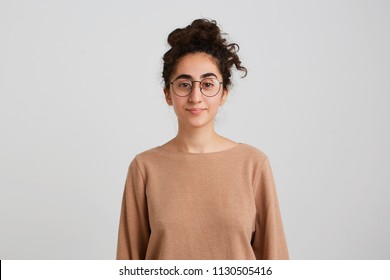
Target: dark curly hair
[{"x": 202, "y": 35}]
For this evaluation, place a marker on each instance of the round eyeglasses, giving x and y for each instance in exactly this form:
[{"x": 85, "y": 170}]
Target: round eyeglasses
[{"x": 208, "y": 86}]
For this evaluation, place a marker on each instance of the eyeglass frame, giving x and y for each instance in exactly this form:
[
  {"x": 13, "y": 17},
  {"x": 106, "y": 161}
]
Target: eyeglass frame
[{"x": 200, "y": 87}]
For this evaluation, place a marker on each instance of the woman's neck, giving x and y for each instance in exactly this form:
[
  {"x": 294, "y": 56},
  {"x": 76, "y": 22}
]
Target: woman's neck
[{"x": 202, "y": 139}]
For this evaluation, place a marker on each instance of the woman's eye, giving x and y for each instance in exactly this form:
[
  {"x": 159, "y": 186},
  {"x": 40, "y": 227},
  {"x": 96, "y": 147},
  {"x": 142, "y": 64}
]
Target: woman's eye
[
  {"x": 184, "y": 85},
  {"x": 208, "y": 85}
]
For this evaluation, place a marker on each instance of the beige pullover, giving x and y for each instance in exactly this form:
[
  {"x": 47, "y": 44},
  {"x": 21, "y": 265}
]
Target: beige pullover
[{"x": 219, "y": 205}]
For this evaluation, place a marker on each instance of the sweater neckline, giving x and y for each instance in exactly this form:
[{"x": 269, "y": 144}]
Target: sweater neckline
[{"x": 195, "y": 154}]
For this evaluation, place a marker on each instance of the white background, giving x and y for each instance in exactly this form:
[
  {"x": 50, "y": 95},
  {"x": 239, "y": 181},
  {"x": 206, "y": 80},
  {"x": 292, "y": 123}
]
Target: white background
[{"x": 81, "y": 95}]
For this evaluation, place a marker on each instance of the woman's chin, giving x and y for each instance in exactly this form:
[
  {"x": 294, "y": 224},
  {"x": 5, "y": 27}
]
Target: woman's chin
[{"x": 195, "y": 123}]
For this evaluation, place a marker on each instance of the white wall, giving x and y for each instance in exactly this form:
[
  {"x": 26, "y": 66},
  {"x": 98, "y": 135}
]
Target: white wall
[{"x": 81, "y": 94}]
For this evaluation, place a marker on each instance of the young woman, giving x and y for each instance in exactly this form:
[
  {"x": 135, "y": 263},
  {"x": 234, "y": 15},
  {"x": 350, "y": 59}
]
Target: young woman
[{"x": 200, "y": 195}]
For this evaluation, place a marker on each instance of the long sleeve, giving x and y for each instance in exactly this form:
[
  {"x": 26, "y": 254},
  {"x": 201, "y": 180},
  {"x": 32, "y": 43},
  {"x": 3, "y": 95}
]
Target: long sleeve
[
  {"x": 268, "y": 240},
  {"x": 134, "y": 230}
]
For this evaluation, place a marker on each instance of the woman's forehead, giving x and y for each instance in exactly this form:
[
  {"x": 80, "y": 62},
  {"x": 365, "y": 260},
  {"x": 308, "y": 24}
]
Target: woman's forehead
[{"x": 197, "y": 66}]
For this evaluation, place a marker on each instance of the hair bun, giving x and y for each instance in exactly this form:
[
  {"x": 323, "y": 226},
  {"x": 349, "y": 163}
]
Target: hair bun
[{"x": 199, "y": 32}]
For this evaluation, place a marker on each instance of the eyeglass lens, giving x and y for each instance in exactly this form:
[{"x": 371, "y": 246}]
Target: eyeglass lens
[{"x": 208, "y": 86}]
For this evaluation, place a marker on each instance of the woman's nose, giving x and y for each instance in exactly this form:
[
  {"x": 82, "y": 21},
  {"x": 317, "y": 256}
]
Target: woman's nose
[{"x": 196, "y": 94}]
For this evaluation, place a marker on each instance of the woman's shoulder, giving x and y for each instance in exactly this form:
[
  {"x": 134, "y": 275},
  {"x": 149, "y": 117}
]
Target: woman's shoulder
[
  {"x": 244, "y": 149},
  {"x": 255, "y": 156},
  {"x": 143, "y": 158},
  {"x": 150, "y": 153},
  {"x": 253, "y": 150}
]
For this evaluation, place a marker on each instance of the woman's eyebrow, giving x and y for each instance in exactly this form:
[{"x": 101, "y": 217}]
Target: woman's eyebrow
[
  {"x": 183, "y": 76},
  {"x": 208, "y": 75},
  {"x": 186, "y": 76}
]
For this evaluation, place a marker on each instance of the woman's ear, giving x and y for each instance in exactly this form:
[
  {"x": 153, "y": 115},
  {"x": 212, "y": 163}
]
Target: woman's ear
[
  {"x": 225, "y": 94},
  {"x": 168, "y": 98}
]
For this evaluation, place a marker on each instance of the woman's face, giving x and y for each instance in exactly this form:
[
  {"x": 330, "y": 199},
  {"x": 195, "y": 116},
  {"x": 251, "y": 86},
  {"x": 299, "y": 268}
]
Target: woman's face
[{"x": 196, "y": 66}]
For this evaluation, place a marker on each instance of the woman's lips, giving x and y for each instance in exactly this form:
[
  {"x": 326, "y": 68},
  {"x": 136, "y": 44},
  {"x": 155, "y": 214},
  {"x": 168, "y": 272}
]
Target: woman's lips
[{"x": 195, "y": 111}]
